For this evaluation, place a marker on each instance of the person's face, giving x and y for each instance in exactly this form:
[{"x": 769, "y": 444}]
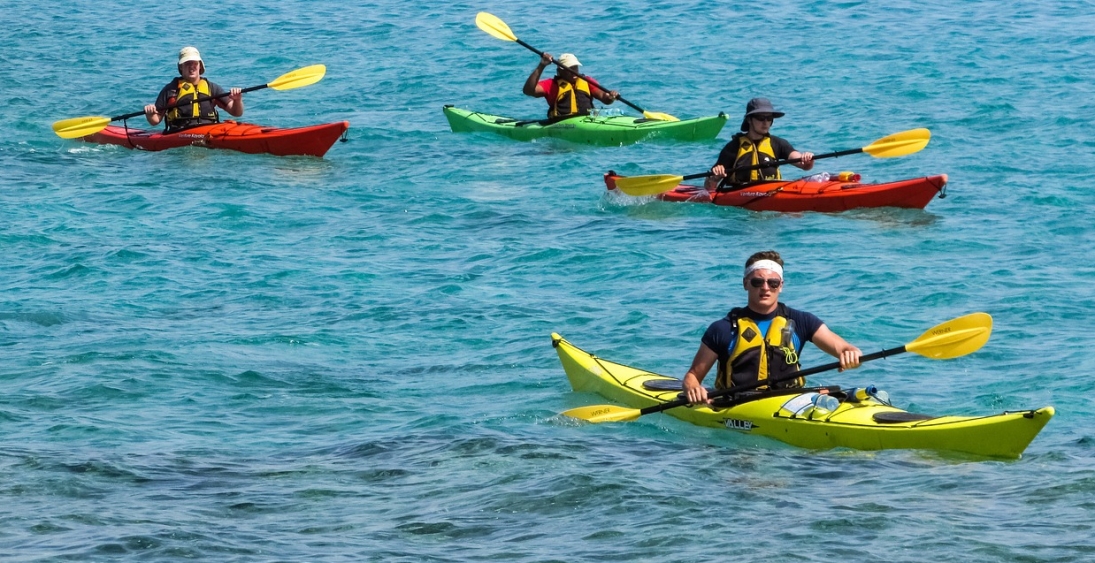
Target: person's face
[
  {"x": 191, "y": 70},
  {"x": 570, "y": 74},
  {"x": 761, "y": 122},
  {"x": 762, "y": 296}
]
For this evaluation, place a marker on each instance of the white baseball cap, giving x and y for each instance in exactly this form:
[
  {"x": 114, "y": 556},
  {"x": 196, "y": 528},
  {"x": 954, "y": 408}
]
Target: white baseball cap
[{"x": 568, "y": 60}]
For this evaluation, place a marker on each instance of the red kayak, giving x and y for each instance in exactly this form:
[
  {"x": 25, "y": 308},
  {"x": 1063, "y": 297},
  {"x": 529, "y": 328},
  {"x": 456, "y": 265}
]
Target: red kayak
[
  {"x": 811, "y": 194},
  {"x": 314, "y": 140}
]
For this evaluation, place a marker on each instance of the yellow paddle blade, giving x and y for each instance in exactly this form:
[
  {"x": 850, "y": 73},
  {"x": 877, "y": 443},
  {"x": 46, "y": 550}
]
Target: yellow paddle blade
[
  {"x": 80, "y": 126},
  {"x": 899, "y": 144},
  {"x": 603, "y": 413},
  {"x": 648, "y": 185},
  {"x": 299, "y": 78},
  {"x": 953, "y": 338},
  {"x": 493, "y": 26},
  {"x": 659, "y": 116}
]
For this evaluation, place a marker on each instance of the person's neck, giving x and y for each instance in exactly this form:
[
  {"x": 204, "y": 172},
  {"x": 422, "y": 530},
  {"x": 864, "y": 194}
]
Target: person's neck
[
  {"x": 763, "y": 310},
  {"x": 754, "y": 136}
]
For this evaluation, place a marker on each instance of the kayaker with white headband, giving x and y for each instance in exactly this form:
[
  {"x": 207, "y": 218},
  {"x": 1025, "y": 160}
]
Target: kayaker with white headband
[{"x": 763, "y": 339}]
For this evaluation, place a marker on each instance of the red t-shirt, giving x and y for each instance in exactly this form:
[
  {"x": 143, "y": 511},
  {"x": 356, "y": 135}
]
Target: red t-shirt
[{"x": 548, "y": 85}]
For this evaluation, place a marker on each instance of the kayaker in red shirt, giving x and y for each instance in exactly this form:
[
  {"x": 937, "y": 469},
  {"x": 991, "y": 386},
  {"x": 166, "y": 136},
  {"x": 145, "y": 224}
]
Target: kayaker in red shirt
[
  {"x": 763, "y": 339},
  {"x": 190, "y": 86},
  {"x": 755, "y": 145},
  {"x": 566, "y": 94}
]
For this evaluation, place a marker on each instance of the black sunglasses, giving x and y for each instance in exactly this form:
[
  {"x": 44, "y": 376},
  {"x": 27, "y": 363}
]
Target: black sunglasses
[
  {"x": 773, "y": 283},
  {"x": 759, "y": 117}
]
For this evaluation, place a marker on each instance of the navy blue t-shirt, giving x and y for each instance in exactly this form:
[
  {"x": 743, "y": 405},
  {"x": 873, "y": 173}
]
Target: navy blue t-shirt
[{"x": 722, "y": 335}]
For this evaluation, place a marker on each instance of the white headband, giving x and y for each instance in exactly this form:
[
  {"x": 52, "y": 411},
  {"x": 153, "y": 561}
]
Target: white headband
[{"x": 764, "y": 265}]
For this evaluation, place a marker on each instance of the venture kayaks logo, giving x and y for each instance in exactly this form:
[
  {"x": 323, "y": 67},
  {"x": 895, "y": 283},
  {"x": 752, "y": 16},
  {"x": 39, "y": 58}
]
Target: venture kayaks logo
[{"x": 735, "y": 424}]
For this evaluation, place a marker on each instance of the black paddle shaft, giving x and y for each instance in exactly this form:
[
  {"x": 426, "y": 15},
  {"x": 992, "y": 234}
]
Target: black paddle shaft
[
  {"x": 199, "y": 100},
  {"x": 776, "y": 163},
  {"x": 763, "y": 382},
  {"x": 580, "y": 75}
]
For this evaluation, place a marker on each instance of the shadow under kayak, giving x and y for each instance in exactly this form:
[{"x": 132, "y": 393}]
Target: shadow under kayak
[
  {"x": 313, "y": 140},
  {"x": 810, "y": 195},
  {"x": 782, "y": 415},
  {"x": 587, "y": 130}
]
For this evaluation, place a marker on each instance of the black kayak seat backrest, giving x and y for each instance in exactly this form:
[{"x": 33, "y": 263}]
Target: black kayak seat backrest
[{"x": 898, "y": 417}]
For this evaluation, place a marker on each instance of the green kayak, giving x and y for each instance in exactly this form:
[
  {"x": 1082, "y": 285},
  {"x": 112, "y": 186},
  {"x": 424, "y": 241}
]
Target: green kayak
[{"x": 587, "y": 130}]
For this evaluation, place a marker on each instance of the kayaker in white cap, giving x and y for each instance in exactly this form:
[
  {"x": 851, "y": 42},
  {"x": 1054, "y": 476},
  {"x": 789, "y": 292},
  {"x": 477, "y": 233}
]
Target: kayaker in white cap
[
  {"x": 763, "y": 339},
  {"x": 755, "y": 145},
  {"x": 568, "y": 93},
  {"x": 190, "y": 87}
]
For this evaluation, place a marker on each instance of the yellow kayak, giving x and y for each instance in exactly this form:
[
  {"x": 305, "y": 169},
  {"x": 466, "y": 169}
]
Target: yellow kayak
[{"x": 794, "y": 416}]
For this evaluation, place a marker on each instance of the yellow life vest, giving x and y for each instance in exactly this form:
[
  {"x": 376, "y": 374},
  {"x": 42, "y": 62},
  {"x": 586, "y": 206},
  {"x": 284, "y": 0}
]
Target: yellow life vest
[
  {"x": 193, "y": 113},
  {"x": 570, "y": 99},
  {"x": 757, "y": 357},
  {"x": 749, "y": 155}
]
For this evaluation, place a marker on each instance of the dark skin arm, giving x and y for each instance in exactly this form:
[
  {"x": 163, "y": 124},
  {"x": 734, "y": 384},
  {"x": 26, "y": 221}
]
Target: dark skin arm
[{"x": 532, "y": 84}]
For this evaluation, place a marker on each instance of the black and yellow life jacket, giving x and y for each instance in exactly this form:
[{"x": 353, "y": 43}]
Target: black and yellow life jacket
[
  {"x": 755, "y": 357},
  {"x": 752, "y": 154},
  {"x": 194, "y": 113},
  {"x": 571, "y": 99}
]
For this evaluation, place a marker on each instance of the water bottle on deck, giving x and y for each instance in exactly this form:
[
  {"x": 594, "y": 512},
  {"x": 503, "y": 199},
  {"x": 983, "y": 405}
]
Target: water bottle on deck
[
  {"x": 823, "y": 405},
  {"x": 860, "y": 394}
]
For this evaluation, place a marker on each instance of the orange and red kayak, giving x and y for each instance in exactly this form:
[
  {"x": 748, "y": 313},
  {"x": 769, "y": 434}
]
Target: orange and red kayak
[
  {"x": 313, "y": 140},
  {"x": 811, "y": 195}
]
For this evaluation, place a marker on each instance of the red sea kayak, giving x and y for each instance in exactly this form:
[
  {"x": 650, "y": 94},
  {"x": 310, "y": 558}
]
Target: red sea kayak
[
  {"x": 812, "y": 195},
  {"x": 314, "y": 140}
]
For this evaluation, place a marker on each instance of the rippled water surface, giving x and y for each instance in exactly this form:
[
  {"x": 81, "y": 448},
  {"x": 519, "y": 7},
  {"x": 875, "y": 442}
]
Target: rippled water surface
[{"x": 216, "y": 356}]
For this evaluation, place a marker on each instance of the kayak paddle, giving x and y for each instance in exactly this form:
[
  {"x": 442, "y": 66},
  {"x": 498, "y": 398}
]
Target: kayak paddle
[
  {"x": 898, "y": 144},
  {"x": 954, "y": 338},
  {"x": 495, "y": 27},
  {"x": 77, "y": 127}
]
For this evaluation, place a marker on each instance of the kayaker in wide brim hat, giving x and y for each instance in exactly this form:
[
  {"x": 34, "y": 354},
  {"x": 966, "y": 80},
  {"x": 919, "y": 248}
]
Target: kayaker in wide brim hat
[
  {"x": 761, "y": 106},
  {"x": 763, "y": 339},
  {"x": 568, "y": 93},
  {"x": 194, "y": 93},
  {"x": 751, "y": 156}
]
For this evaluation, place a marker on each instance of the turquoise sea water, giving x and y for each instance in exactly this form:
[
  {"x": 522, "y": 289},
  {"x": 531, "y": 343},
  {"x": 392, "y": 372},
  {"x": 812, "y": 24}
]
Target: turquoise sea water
[{"x": 224, "y": 357}]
